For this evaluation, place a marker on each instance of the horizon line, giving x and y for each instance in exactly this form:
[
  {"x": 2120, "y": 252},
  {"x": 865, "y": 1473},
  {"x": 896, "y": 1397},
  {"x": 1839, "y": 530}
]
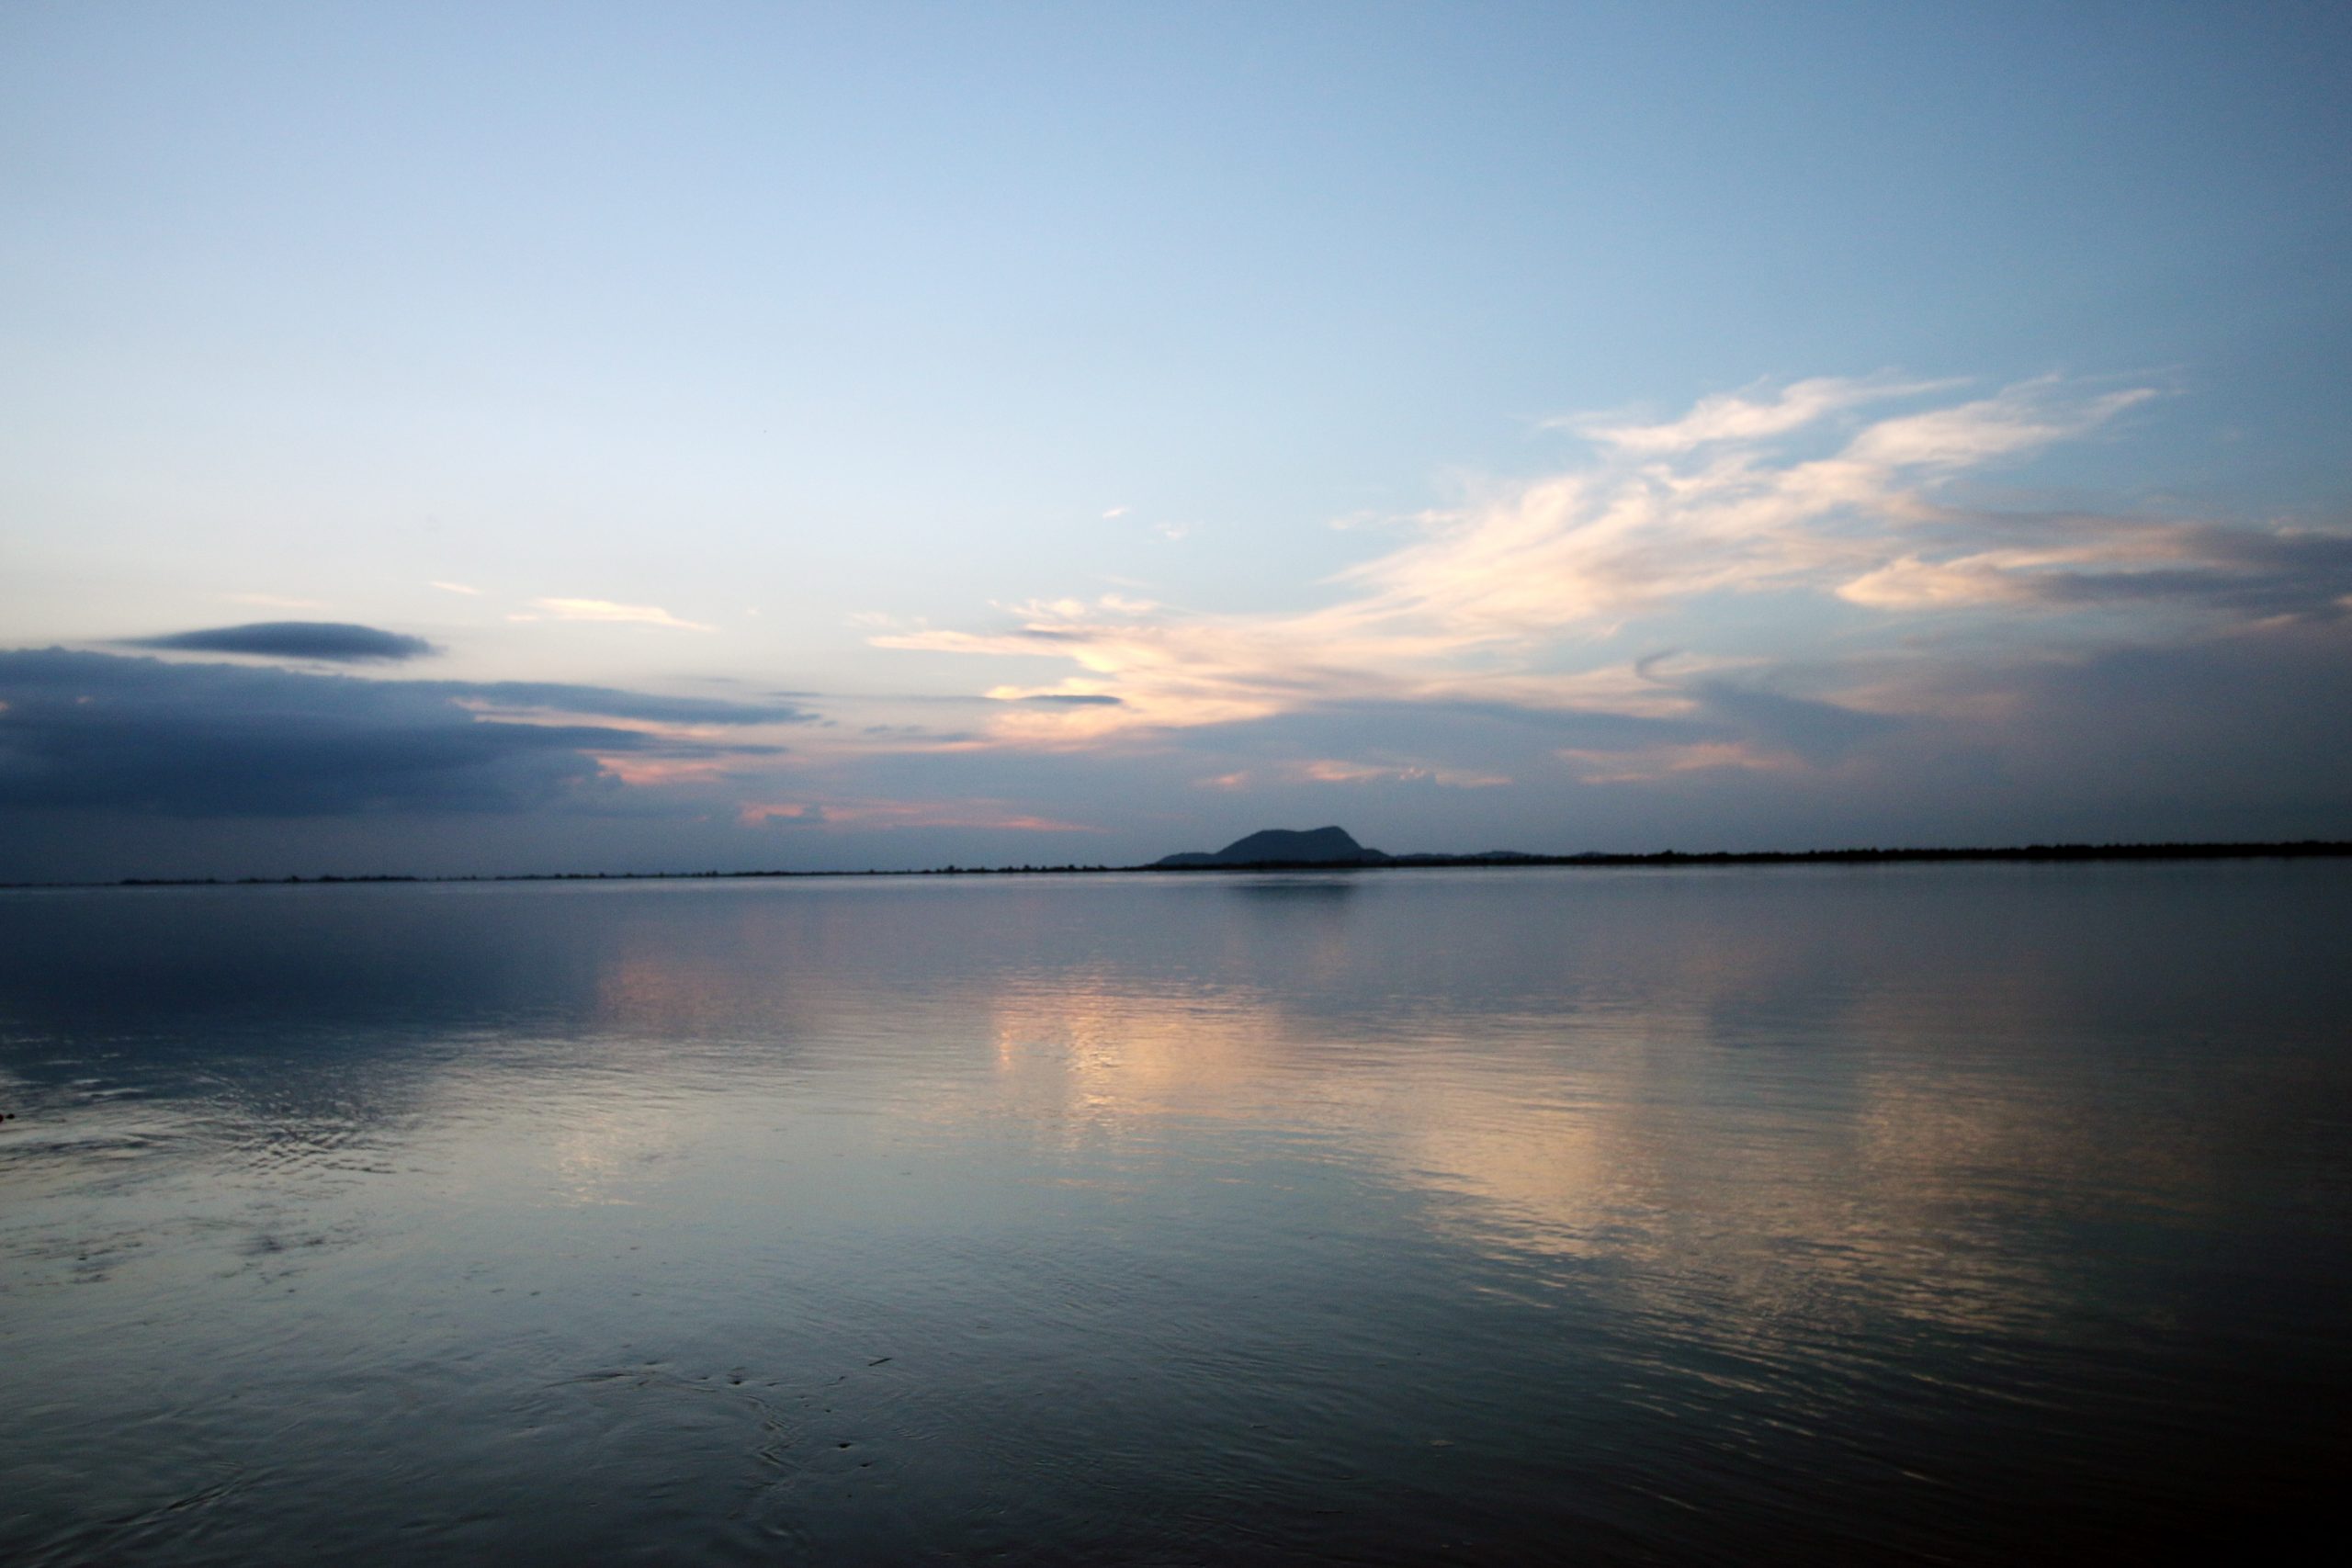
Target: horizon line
[{"x": 2293, "y": 848}]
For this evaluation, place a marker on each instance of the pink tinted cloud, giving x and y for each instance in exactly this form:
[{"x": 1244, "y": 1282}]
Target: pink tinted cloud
[
  {"x": 1823, "y": 493},
  {"x": 870, "y": 813}
]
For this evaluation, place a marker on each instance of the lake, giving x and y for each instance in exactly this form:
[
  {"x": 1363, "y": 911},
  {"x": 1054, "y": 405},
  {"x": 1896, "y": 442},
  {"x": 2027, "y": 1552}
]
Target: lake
[{"x": 1957, "y": 1212}]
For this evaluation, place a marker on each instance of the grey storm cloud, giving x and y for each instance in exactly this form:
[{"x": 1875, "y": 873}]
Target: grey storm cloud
[
  {"x": 340, "y": 642},
  {"x": 110, "y": 732},
  {"x": 2235, "y": 570},
  {"x": 1817, "y": 731},
  {"x": 2263, "y": 715}
]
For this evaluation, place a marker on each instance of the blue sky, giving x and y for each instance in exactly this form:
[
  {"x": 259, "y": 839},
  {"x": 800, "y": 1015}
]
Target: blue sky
[{"x": 1079, "y": 432}]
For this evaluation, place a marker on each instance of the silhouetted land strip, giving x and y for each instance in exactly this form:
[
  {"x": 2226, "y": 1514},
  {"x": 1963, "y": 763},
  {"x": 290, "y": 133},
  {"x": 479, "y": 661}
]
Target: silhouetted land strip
[
  {"x": 2301, "y": 848},
  {"x": 2296, "y": 850}
]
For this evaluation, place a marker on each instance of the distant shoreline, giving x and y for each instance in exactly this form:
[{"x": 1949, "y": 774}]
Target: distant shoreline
[{"x": 2302, "y": 848}]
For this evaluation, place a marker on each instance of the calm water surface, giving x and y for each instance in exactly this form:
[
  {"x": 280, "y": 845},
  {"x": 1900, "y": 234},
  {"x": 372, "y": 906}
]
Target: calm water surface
[{"x": 1899, "y": 1214}]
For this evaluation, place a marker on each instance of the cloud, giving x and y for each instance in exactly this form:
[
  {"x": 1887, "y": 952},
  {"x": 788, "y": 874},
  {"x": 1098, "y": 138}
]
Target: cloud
[
  {"x": 1659, "y": 764},
  {"x": 1329, "y": 769},
  {"x": 455, "y": 588},
  {"x": 605, "y": 610},
  {"x": 605, "y": 702},
  {"x": 1759, "y": 523},
  {"x": 1055, "y": 699},
  {"x": 2260, "y": 714},
  {"x": 337, "y": 642},
  {"x": 93, "y": 731},
  {"x": 1756, "y": 415},
  {"x": 995, "y": 814},
  {"x": 2234, "y": 573},
  {"x": 1768, "y": 723},
  {"x": 1672, "y": 515}
]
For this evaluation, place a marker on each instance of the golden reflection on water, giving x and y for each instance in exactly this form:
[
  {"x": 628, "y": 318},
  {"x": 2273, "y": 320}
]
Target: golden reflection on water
[
  {"x": 1087, "y": 1054},
  {"x": 1794, "y": 1178},
  {"x": 1794, "y": 1111},
  {"x": 1794, "y": 1115}
]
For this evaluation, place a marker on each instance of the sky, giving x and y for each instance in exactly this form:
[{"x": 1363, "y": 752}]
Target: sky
[{"x": 489, "y": 438}]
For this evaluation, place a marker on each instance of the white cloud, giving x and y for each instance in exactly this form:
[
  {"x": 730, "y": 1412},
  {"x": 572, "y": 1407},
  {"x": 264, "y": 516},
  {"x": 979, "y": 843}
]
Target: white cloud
[{"x": 2021, "y": 419}]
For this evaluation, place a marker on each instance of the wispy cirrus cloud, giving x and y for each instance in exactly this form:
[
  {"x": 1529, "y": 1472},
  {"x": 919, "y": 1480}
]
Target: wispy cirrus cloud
[
  {"x": 1829, "y": 502},
  {"x": 1726, "y": 500},
  {"x": 1756, "y": 414}
]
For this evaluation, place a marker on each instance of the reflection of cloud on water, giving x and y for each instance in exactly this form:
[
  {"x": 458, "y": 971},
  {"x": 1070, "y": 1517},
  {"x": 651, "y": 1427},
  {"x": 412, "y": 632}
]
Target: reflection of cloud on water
[
  {"x": 1868, "y": 1170},
  {"x": 1083, "y": 1055},
  {"x": 573, "y": 1132},
  {"x": 1514, "y": 1174},
  {"x": 597, "y": 1156},
  {"x": 1771, "y": 1093}
]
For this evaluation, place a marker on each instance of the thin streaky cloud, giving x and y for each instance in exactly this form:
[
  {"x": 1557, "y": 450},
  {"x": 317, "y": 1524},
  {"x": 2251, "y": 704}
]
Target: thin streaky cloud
[
  {"x": 467, "y": 589},
  {"x": 1759, "y": 414},
  {"x": 1332, "y": 770},
  {"x": 606, "y": 612},
  {"x": 873, "y": 813}
]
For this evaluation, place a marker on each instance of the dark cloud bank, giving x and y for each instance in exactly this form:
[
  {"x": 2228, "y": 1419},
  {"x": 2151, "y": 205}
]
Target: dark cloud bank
[{"x": 91, "y": 731}]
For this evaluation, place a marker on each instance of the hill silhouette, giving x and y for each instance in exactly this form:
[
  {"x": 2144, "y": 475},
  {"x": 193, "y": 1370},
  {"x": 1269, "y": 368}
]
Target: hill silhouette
[{"x": 1282, "y": 846}]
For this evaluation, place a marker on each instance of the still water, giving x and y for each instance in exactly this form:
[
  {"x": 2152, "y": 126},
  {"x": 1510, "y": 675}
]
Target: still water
[{"x": 1957, "y": 1212}]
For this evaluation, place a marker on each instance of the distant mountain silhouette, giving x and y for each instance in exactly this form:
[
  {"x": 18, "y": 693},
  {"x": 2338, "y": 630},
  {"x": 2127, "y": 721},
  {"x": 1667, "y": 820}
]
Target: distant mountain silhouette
[{"x": 1282, "y": 846}]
